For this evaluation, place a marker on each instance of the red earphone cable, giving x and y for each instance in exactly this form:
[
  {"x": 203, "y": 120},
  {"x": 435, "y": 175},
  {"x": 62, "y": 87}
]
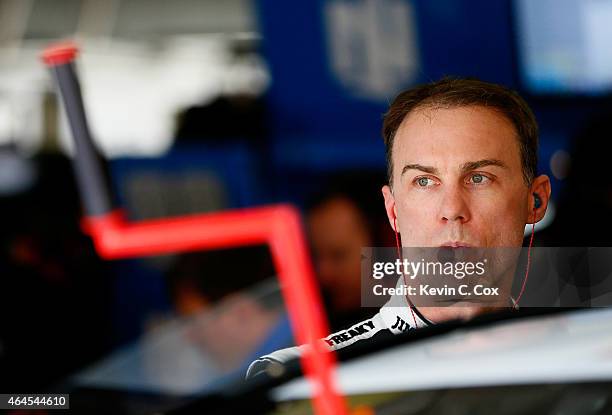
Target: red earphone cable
[
  {"x": 516, "y": 303},
  {"x": 400, "y": 256}
]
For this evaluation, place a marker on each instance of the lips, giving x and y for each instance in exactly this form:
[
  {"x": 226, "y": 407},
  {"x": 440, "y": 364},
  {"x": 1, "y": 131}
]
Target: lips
[
  {"x": 452, "y": 251},
  {"x": 455, "y": 244}
]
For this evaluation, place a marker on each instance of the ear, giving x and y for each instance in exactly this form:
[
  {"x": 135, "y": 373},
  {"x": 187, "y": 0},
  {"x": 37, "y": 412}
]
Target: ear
[
  {"x": 541, "y": 186},
  {"x": 390, "y": 205}
]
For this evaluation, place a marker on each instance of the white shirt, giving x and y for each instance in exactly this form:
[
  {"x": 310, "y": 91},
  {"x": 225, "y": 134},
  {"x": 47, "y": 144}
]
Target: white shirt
[{"x": 395, "y": 316}]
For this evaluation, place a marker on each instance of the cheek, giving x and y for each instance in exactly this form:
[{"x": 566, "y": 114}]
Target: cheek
[
  {"x": 417, "y": 221},
  {"x": 416, "y": 207},
  {"x": 502, "y": 225}
]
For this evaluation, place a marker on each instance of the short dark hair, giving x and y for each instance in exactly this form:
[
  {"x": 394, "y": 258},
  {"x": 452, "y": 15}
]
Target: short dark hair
[{"x": 463, "y": 92}]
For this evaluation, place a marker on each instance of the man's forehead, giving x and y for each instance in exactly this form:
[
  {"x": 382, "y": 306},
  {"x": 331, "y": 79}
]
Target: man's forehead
[{"x": 456, "y": 136}]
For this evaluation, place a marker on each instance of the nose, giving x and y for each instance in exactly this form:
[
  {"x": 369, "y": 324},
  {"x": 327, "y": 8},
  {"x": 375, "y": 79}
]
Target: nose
[{"x": 453, "y": 207}]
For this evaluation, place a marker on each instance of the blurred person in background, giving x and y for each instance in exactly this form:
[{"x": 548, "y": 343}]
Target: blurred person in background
[
  {"x": 342, "y": 219},
  {"x": 233, "y": 298}
]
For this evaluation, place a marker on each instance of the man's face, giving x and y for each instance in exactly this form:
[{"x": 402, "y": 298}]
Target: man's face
[
  {"x": 338, "y": 232},
  {"x": 457, "y": 179}
]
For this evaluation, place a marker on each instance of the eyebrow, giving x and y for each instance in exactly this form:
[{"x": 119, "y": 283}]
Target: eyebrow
[
  {"x": 426, "y": 169},
  {"x": 465, "y": 167},
  {"x": 473, "y": 165}
]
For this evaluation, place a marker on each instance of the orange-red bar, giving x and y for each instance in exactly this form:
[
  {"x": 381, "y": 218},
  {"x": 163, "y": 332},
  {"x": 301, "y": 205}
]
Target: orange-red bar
[
  {"x": 115, "y": 238},
  {"x": 280, "y": 227},
  {"x": 289, "y": 251}
]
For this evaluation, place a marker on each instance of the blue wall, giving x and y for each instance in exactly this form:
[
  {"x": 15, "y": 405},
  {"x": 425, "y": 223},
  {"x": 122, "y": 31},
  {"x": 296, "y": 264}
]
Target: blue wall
[{"x": 319, "y": 125}]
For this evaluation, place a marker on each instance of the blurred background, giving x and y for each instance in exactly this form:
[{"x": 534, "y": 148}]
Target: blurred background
[{"x": 202, "y": 105}]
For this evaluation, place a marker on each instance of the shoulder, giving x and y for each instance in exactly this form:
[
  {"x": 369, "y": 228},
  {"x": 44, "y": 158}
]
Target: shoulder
[{"x": 389, "y": 319}]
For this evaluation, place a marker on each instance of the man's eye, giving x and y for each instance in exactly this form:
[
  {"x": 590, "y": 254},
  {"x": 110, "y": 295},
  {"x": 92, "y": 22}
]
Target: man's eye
[
  {"x": 424, "y": 181},
  {"x": 478, "y": 178}
]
